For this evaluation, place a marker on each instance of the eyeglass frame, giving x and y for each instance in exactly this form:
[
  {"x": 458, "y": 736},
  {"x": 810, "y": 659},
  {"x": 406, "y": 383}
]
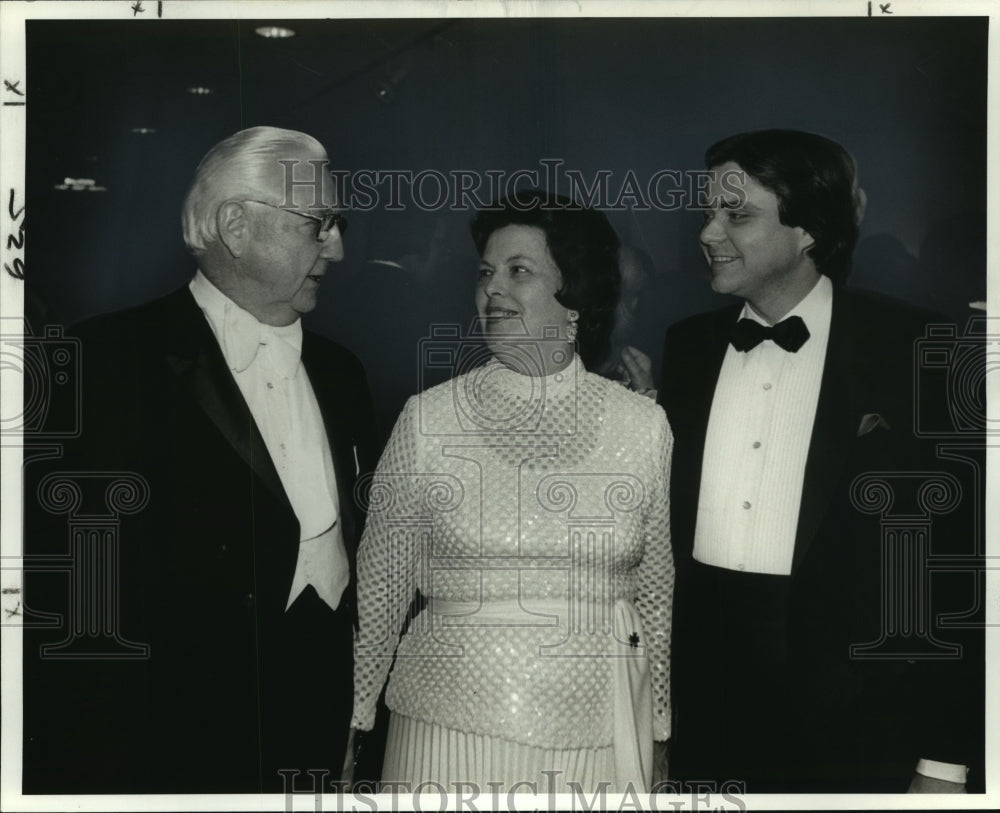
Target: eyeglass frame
[{"x": 329, "y": 219}]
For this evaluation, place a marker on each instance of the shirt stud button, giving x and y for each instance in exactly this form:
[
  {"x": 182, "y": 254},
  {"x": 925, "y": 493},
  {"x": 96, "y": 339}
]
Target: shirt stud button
[
  {"x": 756, "y": 444},
  {"x": 767, "y": 386},
  {"x": 746, "y": 504}
]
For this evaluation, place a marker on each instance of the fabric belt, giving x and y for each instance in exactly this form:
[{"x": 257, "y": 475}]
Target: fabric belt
[{"x": 632, "y": 704}]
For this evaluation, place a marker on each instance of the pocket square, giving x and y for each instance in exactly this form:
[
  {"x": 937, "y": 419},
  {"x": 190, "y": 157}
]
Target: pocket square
[{"x": 870, "y": 422}]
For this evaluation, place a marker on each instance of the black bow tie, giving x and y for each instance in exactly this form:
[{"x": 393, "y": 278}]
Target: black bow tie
[{"x": 789, "y": 334}]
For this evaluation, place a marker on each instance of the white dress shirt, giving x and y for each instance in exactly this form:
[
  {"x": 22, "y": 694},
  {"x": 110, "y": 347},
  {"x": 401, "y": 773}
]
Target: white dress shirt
[
  {"x": 265, "y": 363},
  {"x": 757, "y": 443}
]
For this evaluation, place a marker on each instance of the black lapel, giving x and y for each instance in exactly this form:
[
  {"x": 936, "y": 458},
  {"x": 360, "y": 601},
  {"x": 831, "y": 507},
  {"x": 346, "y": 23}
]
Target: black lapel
[
  {"x": 691, "y": 374},
  {"x": 194, "y": 356},
  {"x": 333, "y": 394},
  {"x": 832, "y": 429}
]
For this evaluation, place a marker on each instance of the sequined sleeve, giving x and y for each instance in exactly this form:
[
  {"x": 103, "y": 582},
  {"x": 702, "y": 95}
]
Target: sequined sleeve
[
  {"x": 655, "y": 582},
  {"x": 387, "y": 560}
]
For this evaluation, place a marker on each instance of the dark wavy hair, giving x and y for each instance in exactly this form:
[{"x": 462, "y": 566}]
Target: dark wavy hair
[
  {"x": 814, "y": 181},
  {"x": 584, "y": 247}
]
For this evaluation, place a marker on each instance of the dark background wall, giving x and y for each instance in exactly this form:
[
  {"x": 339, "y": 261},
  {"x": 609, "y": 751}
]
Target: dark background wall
[{"x": 907, "y": 97}]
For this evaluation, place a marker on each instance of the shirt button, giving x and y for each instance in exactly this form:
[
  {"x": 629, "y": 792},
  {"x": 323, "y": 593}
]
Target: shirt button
[
  {"x": 746, "y": 503},
  {"x": 270, "y": 386},
  {"x": 756, "y": 444},
  {"x": 741, "y": 567},
  {"x": 767, "y": 386}
]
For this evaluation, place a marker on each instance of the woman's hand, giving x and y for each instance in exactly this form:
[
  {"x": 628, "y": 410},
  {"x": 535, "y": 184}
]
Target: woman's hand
[{"x": 350, "y": 759}]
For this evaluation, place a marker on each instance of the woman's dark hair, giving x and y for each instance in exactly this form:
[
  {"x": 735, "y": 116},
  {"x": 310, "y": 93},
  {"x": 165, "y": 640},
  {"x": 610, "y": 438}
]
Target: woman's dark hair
[
  {"x": 585, "y": 250},
  {"x": 814, "y": 181}
]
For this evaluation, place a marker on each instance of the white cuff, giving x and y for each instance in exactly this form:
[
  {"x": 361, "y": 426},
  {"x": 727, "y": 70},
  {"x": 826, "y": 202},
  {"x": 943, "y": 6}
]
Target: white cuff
[{"x": 942, "y": 770}]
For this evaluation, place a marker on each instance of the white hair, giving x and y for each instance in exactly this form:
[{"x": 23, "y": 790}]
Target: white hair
[{"x": 241, "y": 166}]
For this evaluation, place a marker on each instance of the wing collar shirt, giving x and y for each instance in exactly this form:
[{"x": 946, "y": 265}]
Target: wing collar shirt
[
  {"x": 265, "y": 362},
  {"x": 756, "y": 446}
]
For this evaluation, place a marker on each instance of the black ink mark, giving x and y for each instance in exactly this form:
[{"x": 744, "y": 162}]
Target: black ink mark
[
  {"x": 159, "y": 8},
  {"x": 16, "y": 240},
  {"x": 13, "y": 87},
  {"x": 11, "y": 591},
  {"x": 13, "y": 104},
  {"x": 633, "y": 640},
  {"x": 10, "y": 206},
  {"x": 137, "y": 8},
  {"x": 15, "y": 611},
  {"x": 885, "y": 8},
  {"x": 17, "y": 272},
  {"x": 869, "y": 8}
]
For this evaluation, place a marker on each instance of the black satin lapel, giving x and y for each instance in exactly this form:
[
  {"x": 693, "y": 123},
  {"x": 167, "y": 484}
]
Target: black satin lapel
[
  {"x": 832, "y": 431},
  {"x": 338, "y": 434},
  {"x": 698, "y": 375},
  {"x": 197, "y": 361}
]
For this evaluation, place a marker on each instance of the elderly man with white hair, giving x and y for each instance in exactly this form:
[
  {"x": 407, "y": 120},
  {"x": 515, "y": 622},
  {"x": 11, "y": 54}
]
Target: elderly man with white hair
[{"x": 251, "y": 434}]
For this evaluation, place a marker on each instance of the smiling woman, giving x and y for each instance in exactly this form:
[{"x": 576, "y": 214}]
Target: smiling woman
[
  {"x": 516, "y": 296},
  {"x": 540, "y": 661},
  {"x": 547, "y": 262}
]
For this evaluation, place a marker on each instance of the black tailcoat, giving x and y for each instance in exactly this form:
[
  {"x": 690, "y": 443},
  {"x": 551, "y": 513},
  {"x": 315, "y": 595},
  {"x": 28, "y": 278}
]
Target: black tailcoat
[{"x": 234, "y": 688}]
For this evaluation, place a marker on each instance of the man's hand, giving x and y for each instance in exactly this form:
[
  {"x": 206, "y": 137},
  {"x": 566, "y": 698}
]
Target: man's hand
[
  {"x": 925, "y": 784},
  {"x": 637, "y": 370},
  {"x": 660, "y": 752}
]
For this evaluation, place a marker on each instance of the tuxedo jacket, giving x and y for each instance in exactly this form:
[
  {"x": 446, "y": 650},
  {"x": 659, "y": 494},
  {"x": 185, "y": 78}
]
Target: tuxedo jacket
[
  {"x": 866, "y": 715},
  {"x": 214, "y": 687}
]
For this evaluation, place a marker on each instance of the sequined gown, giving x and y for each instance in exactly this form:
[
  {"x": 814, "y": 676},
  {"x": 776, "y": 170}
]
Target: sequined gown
[{"x": 532, "y": 515}]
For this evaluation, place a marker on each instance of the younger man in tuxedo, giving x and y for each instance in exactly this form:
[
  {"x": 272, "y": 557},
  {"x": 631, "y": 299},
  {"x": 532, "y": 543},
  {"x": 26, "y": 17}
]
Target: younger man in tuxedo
[
  {"x": 247, "y": 435},
  {"x": 781, "y": 406}
]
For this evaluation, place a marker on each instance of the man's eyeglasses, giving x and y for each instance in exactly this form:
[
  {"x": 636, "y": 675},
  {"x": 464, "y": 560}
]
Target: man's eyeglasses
[{"x": 327, "y": 220}]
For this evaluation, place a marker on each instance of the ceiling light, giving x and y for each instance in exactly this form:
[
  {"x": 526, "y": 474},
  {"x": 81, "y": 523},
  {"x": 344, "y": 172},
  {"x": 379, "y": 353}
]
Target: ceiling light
[
  {"x": 200, "y": 91},
  {"x": 274, "y": 32},
  {"x": 143, "y": 130},
  {"x": 80, "y": 185}
]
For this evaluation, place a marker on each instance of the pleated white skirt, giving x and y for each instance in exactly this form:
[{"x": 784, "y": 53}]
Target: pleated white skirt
[{"x": 419, "y": 753}]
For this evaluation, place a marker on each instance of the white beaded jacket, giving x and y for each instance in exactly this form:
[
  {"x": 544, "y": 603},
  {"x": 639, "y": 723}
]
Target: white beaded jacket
[{"x": 522, "y": 509}]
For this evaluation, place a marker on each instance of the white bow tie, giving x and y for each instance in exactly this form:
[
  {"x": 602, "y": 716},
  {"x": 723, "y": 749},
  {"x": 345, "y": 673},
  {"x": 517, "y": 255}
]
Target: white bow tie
[{"x": 243, "y": 336}]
